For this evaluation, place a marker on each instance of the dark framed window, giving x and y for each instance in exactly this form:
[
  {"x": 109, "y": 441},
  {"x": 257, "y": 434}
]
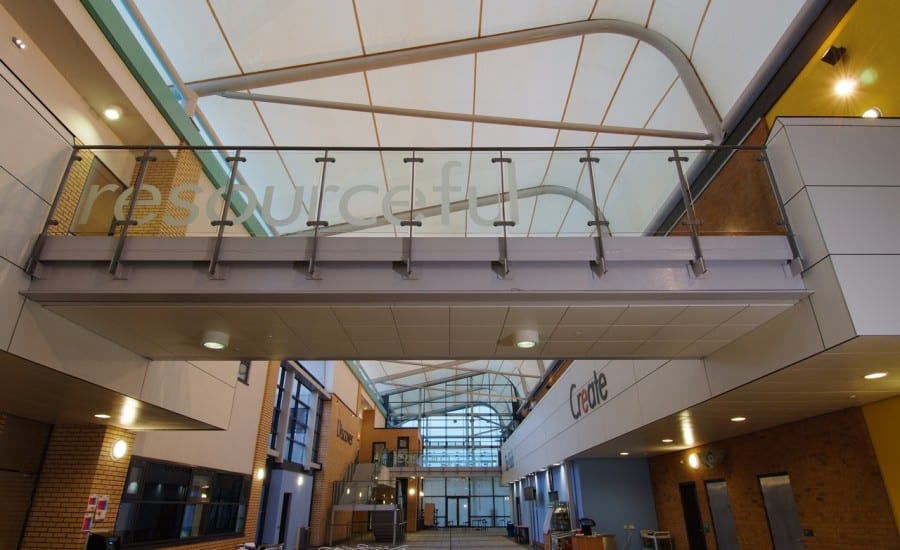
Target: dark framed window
[
  {"x": 166, "y": 502},
  {"x": 244, "y": 372}
]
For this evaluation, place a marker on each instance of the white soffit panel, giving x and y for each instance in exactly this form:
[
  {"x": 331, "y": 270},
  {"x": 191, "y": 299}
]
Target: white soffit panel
[
  {"x": 600, "y": 68},
  {"x": 396, "y": 24},
  {"x": 734, "y": 41},
  {"x": 527, "y": 81},
  {"x": 509, "y": 15},
  {"x": 269, "y": 34},
  {"x": 635, "y": 11},
  {"x": 441, "y": 85},
  {"x": 643, "y": 86},
  {"x": 235, "y": 122},
  {"x": 678, "y": 20},
  {"x": 192, "y": 40}
]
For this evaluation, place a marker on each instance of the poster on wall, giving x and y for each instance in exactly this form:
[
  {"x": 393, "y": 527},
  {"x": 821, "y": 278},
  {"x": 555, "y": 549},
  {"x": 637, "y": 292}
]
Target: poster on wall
[
  {"x": 87, "y": 522},
  {"x": 91, "y": 504},
  {"x": 102, "y": 508}
]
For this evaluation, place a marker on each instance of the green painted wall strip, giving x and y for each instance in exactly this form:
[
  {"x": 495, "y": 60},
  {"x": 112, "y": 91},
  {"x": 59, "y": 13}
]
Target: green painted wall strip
[{"x": 129, "y": 49}]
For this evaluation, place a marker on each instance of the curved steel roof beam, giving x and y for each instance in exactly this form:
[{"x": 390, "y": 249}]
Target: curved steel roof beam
[{"x": 702, "y": 102}]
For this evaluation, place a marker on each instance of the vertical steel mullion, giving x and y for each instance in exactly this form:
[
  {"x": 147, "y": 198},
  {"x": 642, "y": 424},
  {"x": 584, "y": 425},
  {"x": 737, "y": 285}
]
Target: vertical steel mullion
[
  {"x": 599, "y": 265},
  {"x": 411, "y": 222},
  {"x": 796, "y": 262},
  {"x": 698, "y": 263},
  {"x": 318, "y": 221},
  {"x": 504, "y": 223},
  {"x": 129, "y": 221},
  {"x": 51, "y": 220},
  {"x": 223, "y": 220}
]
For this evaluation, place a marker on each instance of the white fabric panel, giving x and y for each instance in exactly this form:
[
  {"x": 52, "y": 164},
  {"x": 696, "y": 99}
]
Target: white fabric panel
[
  {"x": 569, "y": 138},
  {"x": 602, "y": 63},
  {"x": 678, "y": 20},
  {"x": 509, "y": 15},
  {"x": 638, "y": 191},
  {"x": 635, "y": 11},
  {"x": 549, "y": 210},
  {"x": 190, "y": 36},
  {"x": 291, "y": 125},
  {"x": 270, "y": 34},
  {"x": 235, "y": 122},
  {"x": 396, "y": 24},
  {"x": 442, "y": 85},
  {"x": 677, "y": 112},
  {"x": 734, "y": 40},
  {"x": 402, "y": 131},
  {"x": 527, "y": 81},
  {"x": 494, "y": 135},
  {"x": 350, "y": 88},
  {"x": 648, "y": 78}
]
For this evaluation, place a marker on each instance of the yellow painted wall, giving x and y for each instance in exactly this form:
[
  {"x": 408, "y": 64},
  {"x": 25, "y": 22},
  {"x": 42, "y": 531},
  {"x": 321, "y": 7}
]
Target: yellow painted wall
[
  {"x": 881, "y": 418},
  {"x": 871, "y": 34}
]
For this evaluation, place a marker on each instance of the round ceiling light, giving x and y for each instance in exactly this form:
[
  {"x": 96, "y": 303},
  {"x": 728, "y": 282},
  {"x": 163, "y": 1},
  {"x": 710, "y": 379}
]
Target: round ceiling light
[
  {"x": 526, "y": 338},
  {"x": 215, "y": 339},
  {"x": 874, "y": 112},
  {"x": 845, "y": 86},
  {"x": 738, "y": 418},
  {"x": 875, "y": 375},
  {"x": 112, "y": 112}
]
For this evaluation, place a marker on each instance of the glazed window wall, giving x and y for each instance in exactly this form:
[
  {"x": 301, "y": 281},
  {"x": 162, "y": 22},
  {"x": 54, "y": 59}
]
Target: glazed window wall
[
  {"x": 468, "y": 502},
  {"x": 296, "y": 423}
]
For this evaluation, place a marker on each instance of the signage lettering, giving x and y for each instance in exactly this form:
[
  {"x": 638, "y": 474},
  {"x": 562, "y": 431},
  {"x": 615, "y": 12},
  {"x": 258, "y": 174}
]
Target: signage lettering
[
  {"x": 343, "y": 434},
  {"x": 590, "y": 396}
]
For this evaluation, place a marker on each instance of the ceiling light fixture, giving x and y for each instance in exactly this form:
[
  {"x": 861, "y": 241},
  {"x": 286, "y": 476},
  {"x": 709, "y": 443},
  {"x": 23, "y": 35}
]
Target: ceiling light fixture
[
  {"x": 874, "y": 112},
  {"x": 738, "y": 418},
  {"x": 18, "y": 42},
  {"x": 845, "y": 86},
  {"x": 875, "y": 375},
  {"x": 624, "y": 453},
  {"x": 215, "y": 339},
  {"x": 667, "y": 440},
  {"x": 112, "y": 112},
  {"x": 102, "y": 416},
  {"x": 526, "y": 338},
  {"x": 694, "y": 460},
  {"x": 834, "y": 54}
]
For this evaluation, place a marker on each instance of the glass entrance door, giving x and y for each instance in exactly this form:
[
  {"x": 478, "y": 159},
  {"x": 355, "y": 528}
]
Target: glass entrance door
[{"x": 457, "y": 511}]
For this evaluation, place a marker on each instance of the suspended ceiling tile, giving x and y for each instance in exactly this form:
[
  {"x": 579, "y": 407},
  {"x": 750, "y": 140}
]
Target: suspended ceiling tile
[
  {"x": 192, "y": 40},
  {"x": 591, "y": 315},
  {"x": 735, "y": 38},
  {"x": 614, "y": 348},
  {"x": 379, "y": 348},
  {"x": 365, "y": 333},
  {"x": 629, "y": 332},
  {"x": 529, "y": 81},
  {"x": 274, "y": 34},
  {"x": 649, "y": 76},
  {"x": 235, "y": 122},
  {"x": 402, "y": 131},
  {"x": 527, "y": 316},
  {"x": 475, "y": 333},
  {"x": 758, "y": 314},
  {"x": 662, "y": 348},
  {"x": 477, "y": 315},
  {"x": 362, "y": 315},
  {"x": 419, "y": 348},
  {"x": 649, "y": 315},
  {"x": 397, "y": 24},
  {"x": 421, "y": 315},
  {"x": 439, "y": 85},
  {"x": 635, "y": 11},
  {"x": 682, "y": 332},
  {"x": 707, "y": 314},
  {"x": 578, "y": 332},
  {"x": 729, "y": 332},
  {"x": 291, "y": 125},
  {"x": 425, "y": 333},
  {"x": 568, "y": 348},
  {"x": 600, "y": 68},
  {"x": 702, "y": 348},
  {"x": 678, "y": 21}
]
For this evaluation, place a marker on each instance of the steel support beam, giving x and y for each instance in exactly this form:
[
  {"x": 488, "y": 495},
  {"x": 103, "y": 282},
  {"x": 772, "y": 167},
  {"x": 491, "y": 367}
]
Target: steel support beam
[{"x": 702, "y": 102}]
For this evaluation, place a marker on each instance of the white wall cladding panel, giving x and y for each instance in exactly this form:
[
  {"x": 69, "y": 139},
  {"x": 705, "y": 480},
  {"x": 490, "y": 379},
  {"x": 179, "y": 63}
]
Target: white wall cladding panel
[
  {"x": 790, "y": 337},
  {"x": 184, "y": 388},
  {"x": 271, "y": 34},
  {"x": 345, "y": 385},
  {"x": 54, "y": 342},
  {"x": 828, "y": 303},
  {"x": 396, "y": 24},
  {"x": 530, "y": 81},
  {"x": 602, "y": 55},
  {"x": 13, "y": 281},
  {"x": 735, "y": 39},
  {"x": 440, "y": 85},
  {"x": 508, "y": 15},
  {"x": 622, "y": 414},
  {"x": 869, "y": 284},
  {"x": 226, "y": 371},
  {"x": 23, "y": 213},
  {"x": 806, "y": 228},
  {"x": 677, "y": 385},
  {"x": 192, "y": 38},
  {"x": 858, "y": 220},
  {"x": 784, "y": 164}
]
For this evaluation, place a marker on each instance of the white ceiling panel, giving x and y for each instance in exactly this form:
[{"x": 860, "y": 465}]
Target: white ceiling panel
[
  {"x": 397, "y": 24},
  {"x": 349, "y": 88},
  {"x": 271, "y": 33},
  {"x": 527, "y": 81},
  {"x": 647, "y": 80},
  {"x": 401, "y": 131},
  {"x": 635, "y": 11},
  {"x": 192, "y": 40},
  {"x": 600, "y": 68},
  {"x": 734, "y": 40},
  {"x": 508, "y": 15},
  {"x": 305, "y": 126},
  {"x": 678, "y": 20},
  {"x": 677, "y": 112},
  {"x": 496, "y": 135},
  {"x": 441, "y": 85},
  {"x": 235, "y": 122}
]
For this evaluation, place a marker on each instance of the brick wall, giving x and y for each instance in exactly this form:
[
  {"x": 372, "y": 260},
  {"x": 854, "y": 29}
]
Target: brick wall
[
  {"x": 78, "y": 463},
  {"x": 336, "y": 456},
  {"x": 834, "y": 475}
]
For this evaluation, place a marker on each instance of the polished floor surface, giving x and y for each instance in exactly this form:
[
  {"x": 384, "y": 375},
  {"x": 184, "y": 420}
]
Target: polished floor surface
[{"x": 454, "y": 539}]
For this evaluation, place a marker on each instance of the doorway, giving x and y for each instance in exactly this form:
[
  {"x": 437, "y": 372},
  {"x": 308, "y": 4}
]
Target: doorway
[
  {"x": 378, "y": 457},
  {"x": 693, "y": 520},
  {"x": 285, "y": 517},
  {"x": 784, "y": 521},
  {"x": 722, "y": 516},
  {"x": 457, "y": 511}
]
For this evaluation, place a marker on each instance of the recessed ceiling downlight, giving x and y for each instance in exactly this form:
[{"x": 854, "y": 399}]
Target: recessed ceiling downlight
[
  {"x": 215, "y": 339},
  {"x": 738, "y": 418},
  {"x": 875, "y": 375},
  {"x": 112, "y": 112},
  {"x": 526, "y": 338}
]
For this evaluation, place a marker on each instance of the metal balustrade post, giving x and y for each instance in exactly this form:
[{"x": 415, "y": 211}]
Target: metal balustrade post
[
  {"x": 318, "y": 222},
  {"x": 698, "y": 264},
  {"x": 598, "y": 266},
  {"x": 501, "y": 267},
  {"x": 796, "y": 263},
  {"x": 115, "y": 263},
  {"x": 223, "y": 220},
  {"x": 405, "y": 266},
  {"x": 35, "y": 257}
]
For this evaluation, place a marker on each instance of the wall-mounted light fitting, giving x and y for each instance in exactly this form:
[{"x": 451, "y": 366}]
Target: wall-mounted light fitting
[
  {"x": 119, "y": 448},
  {"x": 873, "y": 112},
  {"x": 834, "y": 54},
  {"x": 526, "y": 338},
  {"x": 18, "y": 42},
  {"x": 215, "y": 339},
  {"x": 260, "y": 474}
]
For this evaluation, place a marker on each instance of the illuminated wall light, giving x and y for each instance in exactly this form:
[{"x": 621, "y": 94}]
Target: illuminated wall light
[
  {"x": 119, "y": 449},
  {"x": 412, "y": 492},
  {"x": 845, "y": 86},
  {"x": 874, "y": 112},
  {"x": 129, "y": 412},
  {"x": 260, "y": 474},
  {"x": 693, "y": 461},
  {"x": 299, "y": 481},
  {"x": 875, "y": 375},
  {"x": 18, "y": 42}
]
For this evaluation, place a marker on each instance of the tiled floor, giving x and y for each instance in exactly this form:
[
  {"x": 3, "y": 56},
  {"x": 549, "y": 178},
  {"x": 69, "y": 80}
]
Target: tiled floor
[{"x": 454, "y": 539}]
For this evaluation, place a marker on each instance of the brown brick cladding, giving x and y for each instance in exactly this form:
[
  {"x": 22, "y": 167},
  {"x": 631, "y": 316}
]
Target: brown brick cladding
[
  {"x": 834, "y": 475},
  {"x": 78, "y": 463},
  {"x": 336, "y": 456}
]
